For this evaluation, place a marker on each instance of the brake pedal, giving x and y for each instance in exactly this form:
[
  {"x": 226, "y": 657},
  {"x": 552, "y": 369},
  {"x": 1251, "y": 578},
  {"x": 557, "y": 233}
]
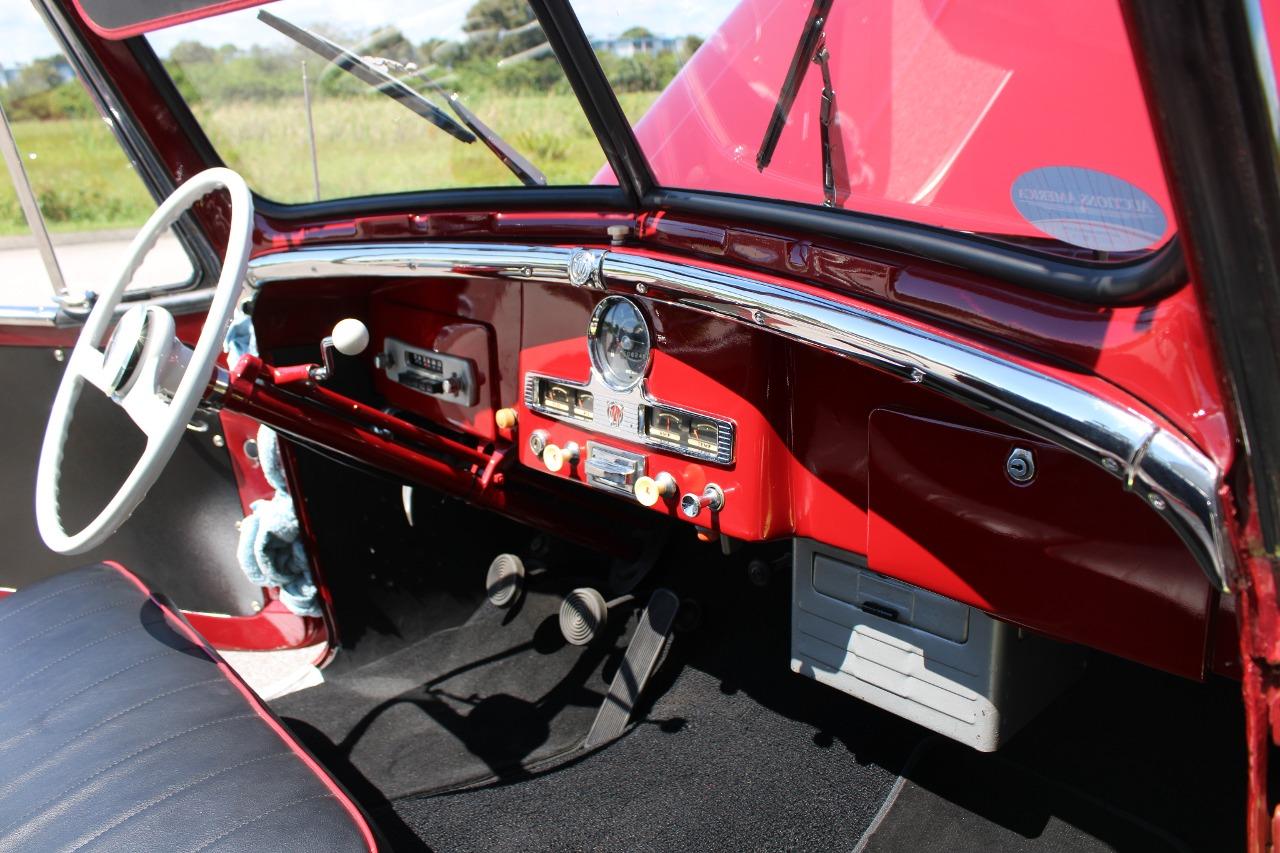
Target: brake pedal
[{"x": 642, "y": 655}]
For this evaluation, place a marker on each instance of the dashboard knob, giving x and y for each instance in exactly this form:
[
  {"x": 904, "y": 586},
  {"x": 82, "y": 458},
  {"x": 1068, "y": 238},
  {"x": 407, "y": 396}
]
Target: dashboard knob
[
  {"x": 350, "y": 336},
  {"x": 538, "y": 442},
  {"x": 555, "y": 457},
  {"x": 650, "y": 490},
  {"x": 504, "y": 418},
  {"x": 712, "y": 498}
]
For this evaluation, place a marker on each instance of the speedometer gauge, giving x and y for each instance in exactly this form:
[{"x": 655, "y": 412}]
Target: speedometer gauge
[{"x": 619, "y": 342}]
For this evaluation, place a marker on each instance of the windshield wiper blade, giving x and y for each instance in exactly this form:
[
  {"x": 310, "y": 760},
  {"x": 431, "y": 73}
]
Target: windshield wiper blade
[
  {"x": 510, "y": 157},
  {"x": 366, "y": 73},
  {"x": 800, "y": 61}
]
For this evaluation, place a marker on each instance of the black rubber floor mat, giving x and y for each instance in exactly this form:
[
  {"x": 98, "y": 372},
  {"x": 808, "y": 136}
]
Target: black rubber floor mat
[
  {"x": 482, "y": 701},
  {"x": 952, "y": 798}
]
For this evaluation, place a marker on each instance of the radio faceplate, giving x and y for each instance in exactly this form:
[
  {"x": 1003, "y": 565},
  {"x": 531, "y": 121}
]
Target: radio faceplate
[{"x": 435, "y": 374}]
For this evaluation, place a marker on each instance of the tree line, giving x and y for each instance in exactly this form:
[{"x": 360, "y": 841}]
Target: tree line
[{"x": 503, "y": 50}]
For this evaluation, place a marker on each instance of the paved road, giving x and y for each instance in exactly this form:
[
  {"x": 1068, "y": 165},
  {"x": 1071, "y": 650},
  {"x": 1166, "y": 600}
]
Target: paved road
[{"x": 88, "y": 262}]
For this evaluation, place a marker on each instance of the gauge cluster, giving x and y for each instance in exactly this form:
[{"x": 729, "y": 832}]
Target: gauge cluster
[
  {"x": 564, "y": 399},
  {"x": 685, "y": 431},
  {"x": 615, "y": 401}
]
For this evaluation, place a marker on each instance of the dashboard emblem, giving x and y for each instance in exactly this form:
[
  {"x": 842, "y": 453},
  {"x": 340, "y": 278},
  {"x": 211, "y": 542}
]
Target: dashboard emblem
[
  {"x": 582, "y": 269},
  {"x": 615, "y": 414}
]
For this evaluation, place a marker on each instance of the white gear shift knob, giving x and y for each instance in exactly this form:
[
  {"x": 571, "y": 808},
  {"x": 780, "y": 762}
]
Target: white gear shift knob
[{"x": 350, "y": 336}]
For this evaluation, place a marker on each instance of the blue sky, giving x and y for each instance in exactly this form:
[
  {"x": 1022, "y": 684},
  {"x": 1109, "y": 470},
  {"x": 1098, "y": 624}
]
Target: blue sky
[{"x": 24, "y": 35}]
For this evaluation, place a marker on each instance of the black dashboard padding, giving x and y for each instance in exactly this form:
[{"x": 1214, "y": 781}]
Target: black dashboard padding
[{"x": 121, "y": 730}]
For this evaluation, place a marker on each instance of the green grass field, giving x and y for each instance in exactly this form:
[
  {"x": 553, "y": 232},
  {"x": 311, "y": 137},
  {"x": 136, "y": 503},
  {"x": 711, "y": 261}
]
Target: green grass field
[{"x": 365, "y": 145}]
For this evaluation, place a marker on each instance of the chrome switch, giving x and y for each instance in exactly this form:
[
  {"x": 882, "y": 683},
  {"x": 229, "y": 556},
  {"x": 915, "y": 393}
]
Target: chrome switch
[{"x": 611, "y": 469}]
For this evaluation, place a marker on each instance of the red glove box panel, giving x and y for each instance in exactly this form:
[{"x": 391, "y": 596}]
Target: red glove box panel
[{"x": 1069, "y": 553}]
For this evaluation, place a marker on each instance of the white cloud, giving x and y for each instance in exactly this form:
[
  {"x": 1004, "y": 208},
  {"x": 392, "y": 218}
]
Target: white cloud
[{"x": 23, "y": 36}]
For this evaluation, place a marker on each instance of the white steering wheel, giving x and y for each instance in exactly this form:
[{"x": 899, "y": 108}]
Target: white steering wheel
[{"x": 145, "y": 369}]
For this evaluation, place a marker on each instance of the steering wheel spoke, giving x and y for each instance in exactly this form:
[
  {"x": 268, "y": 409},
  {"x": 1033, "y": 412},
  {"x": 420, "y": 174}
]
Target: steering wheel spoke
[
  {"x": 156, "y": 380},
  {"x": 88, "y": 363},
  {"x": 146, "y": 408}
]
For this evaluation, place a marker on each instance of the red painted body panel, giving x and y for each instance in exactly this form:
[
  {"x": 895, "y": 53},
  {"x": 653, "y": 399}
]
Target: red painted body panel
[
  {"x": 250, "y": 481},
  {"x": 940, "y": 107},
  {"x": 1065, "y": 554}
]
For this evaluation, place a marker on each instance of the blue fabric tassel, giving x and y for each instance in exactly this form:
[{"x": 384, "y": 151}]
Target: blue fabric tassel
[{"x": 270, "y": 551}]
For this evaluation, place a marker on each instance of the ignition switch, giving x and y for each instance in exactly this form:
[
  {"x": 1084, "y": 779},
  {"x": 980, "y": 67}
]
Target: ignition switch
[{"x": 1020, "y": 466}]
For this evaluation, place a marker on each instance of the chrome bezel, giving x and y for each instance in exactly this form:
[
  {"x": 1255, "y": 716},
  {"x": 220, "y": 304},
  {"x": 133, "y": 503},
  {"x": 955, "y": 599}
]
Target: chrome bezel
[
  {"x": 601, "y": 369},
  {"x": 631, "y": 427}
]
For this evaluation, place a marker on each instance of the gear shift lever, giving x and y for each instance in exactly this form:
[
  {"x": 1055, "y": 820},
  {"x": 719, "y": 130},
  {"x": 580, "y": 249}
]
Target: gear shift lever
[{"x": 349, "y": 337}]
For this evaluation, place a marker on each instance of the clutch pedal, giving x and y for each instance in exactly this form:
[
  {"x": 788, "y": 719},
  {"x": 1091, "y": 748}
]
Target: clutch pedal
[{"x": 642, "y": 655}]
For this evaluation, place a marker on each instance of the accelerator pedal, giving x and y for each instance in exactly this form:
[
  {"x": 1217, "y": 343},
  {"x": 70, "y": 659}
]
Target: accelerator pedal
[{"x": 642, "y": 655}]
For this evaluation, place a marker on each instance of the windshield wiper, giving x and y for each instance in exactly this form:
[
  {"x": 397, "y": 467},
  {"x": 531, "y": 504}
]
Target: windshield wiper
[
  {"x": 366, "y": 73},
  {"x": 810, "y": 49},
  {"x": 510, "y": 157},
  {"x": 377, "y": 79}
]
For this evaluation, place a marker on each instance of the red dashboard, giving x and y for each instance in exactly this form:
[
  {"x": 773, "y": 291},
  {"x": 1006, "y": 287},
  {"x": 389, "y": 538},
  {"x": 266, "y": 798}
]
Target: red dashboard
[{"x": 822, "y": 447}]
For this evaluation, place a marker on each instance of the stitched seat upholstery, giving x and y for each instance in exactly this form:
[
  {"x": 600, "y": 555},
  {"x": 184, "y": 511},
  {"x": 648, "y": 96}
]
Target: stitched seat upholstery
[{"x": 120, "y": 730}]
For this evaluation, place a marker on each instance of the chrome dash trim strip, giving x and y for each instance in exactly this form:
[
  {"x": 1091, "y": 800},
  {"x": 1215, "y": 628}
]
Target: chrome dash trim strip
[
  {"x": 432, "y": 260},
  {"x": 1174, "y": 477},
  {"x": 35, "y": 314}
]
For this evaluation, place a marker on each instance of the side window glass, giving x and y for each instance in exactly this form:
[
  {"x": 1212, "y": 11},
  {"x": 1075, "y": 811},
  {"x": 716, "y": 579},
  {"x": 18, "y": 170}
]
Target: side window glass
[{"x": 92, "y": 199}]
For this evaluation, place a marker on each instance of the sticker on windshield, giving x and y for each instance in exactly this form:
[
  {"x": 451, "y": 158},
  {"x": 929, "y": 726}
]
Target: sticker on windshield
[{"x": 1088, "y": 208}]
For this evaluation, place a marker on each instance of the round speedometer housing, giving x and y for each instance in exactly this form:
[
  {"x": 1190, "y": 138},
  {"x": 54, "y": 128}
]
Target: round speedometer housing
[{"x": 619, "y": 342}]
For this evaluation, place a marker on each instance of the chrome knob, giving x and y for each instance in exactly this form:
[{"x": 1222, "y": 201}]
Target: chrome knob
[
  {"x": 555, "y": 457},
  {"x": 650, "y": 490},
  {"x": 712, "y": 498}
]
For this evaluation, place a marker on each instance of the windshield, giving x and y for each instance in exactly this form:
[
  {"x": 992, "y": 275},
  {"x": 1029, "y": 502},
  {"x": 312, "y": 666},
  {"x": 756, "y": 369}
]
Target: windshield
[
  {"x": 323, "y": 99},
  {"x": 1022, "y": 121}
]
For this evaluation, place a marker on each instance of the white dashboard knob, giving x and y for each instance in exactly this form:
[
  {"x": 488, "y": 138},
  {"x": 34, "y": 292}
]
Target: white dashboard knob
[
  {"x": 555, "y": 457},
  {"x": 650, "y": 490},
  {"x": 350, "y": 336}
]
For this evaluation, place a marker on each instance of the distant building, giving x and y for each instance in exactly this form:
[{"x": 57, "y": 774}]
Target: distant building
[{"x": 651, "y": 45}]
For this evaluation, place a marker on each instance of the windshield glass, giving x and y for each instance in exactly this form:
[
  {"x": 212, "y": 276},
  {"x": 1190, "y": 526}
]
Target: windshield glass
[
  {"x": 1022, "y": 121},
  {"x": 324, "y": 99}
]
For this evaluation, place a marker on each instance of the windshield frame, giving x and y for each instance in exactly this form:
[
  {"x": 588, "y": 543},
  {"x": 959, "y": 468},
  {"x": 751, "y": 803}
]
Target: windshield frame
[{"x": 1079, "y": 280}]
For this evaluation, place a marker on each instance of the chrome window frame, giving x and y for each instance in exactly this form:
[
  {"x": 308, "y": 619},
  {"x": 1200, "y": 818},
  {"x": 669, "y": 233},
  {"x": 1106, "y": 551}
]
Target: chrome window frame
[{"x": 190, "y": 296}]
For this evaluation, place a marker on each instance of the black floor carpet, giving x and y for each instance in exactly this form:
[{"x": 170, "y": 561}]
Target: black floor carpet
[
  {"x": 487, "y": 700},
  {"x": 735, "y": 753},
  {"x": 952, "y": 798}
]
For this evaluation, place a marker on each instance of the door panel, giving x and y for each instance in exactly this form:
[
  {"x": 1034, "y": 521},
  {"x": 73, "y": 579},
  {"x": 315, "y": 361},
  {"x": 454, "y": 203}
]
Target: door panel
[{"x": 181, "y": 540}]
